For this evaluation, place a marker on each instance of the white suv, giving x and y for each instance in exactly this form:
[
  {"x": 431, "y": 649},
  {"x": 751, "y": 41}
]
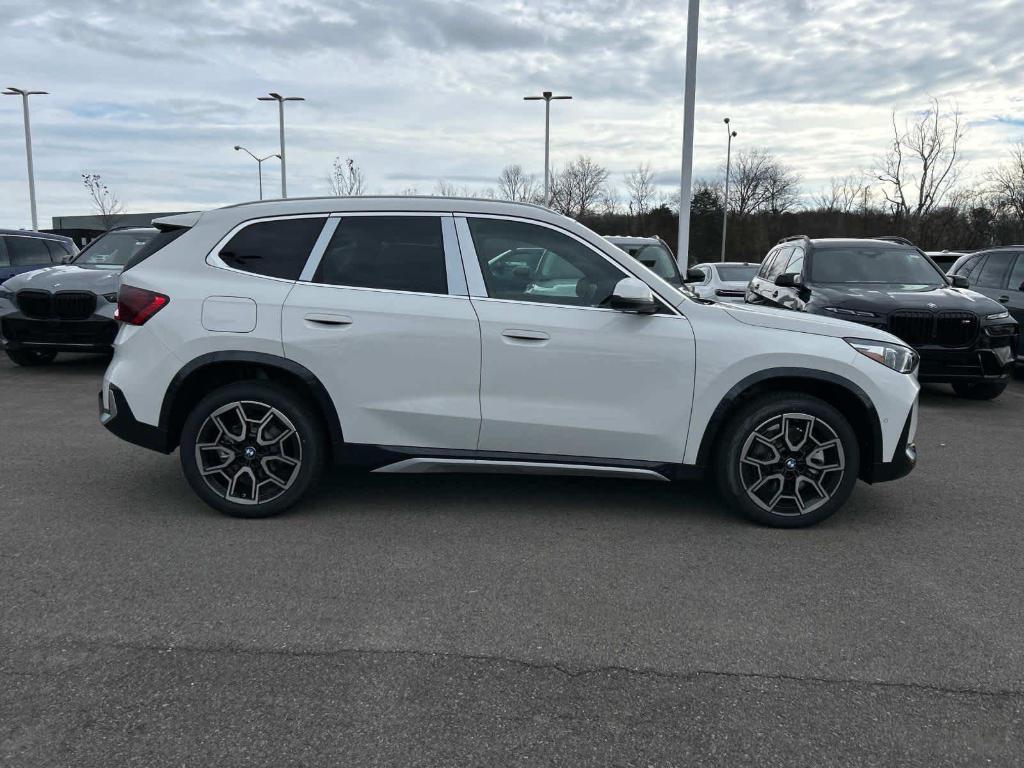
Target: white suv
[{"x": 271, "y": 339}]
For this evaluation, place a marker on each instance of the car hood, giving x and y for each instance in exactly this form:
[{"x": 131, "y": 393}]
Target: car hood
[
  {"x": 67, "y": 278},
  {"x": 788, "y": 320},
  {"x": 883, "y": 299}
]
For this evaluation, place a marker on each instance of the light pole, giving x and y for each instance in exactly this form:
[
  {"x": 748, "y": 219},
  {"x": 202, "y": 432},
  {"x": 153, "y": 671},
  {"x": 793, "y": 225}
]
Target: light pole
[
  {"x": 725, "y": 206},
  {"x": 547, "y": 98},
  {"x": 280, "y": 113},
  {"x": 12, "y": 91},
  {"x": 259, "y": 163},
  {"x": 689, "y": 91}
]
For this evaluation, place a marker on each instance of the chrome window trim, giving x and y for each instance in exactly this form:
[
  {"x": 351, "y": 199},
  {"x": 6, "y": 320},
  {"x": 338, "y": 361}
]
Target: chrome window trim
[
  {"x": 387, "y": 290},
  {"x": 474, "y": 272},
  {"x": 454, "y": 272}
]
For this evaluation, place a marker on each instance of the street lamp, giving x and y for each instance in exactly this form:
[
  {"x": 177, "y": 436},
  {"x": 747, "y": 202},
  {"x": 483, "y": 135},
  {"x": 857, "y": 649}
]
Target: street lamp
[
  {"x": 725, "y": 207},
  {"x": 547, "y": 98},
  {"x": 259, "y": 163},
  {"x": 280, "y": 112},
  {"x": 689, "y": 92},
  {"x": 12, "y": 91}
]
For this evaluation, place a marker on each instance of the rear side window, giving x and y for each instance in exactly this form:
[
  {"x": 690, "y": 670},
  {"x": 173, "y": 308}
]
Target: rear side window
[
  {"x": 394, "y": 253},
  {"x": 1017, "y": 275},
  {"x": 27, "y": 251},
  {"x": 971, "y": 266},
  {"x": 57, "y": 251},
  {"x": 158, "y": 241},
  {"x": 277, "y": 248},
  {"x": 767, "y": 263},
  {"x": 993, "y": 274},
  {"x": 5, "y": 260}
]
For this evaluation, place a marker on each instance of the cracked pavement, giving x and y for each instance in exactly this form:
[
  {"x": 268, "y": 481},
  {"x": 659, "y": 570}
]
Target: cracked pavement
[{"x": 474, "y": 620}]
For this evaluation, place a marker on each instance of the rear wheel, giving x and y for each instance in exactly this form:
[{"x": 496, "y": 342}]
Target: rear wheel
[
  {"x": 788, "y": 460},
  {"x": 251, "y": 449},
  {"x": 979, "y": 390},
  {"x": 31, "y": 356}
]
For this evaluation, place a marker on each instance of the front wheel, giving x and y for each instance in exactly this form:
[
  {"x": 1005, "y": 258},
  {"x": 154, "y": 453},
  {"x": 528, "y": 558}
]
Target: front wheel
[
  {"x": 979, "y": 390},
  {"x": 251, "y": 449},
  {"x": 31, "y": 357},
  {"x": 788, "y": 460}
]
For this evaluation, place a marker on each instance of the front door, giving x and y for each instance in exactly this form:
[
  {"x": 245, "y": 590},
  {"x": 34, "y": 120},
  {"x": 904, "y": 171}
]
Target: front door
[
  {"x": 563, "y": 375},
  {"x": 384, "y": 322}
]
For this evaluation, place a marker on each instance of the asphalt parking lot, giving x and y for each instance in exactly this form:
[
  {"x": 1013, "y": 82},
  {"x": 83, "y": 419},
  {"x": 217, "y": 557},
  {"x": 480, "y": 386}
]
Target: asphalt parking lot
[{"x": 474, "y": 620}]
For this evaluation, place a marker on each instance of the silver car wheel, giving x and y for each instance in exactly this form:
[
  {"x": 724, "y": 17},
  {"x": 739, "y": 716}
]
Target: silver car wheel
[
  {"x": 791, "y": 464},
  {"x": 248, "y": 452}
]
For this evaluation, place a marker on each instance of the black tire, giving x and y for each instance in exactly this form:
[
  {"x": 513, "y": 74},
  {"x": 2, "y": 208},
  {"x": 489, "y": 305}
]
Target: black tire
[
  {"x": 745, "y": 462},
  {"x": 306, "y": 443},
  {"x": 30, "y": 357},
  {"x": 979, "y": 390}
]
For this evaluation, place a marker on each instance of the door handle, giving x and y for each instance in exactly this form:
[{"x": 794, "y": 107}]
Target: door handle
[
  {"x": 521, "y": 334},
  {"x": 327, "y": 320}
]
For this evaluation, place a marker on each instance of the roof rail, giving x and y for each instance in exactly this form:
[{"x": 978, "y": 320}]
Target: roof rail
[
  {"x": 794, "y": 237},
  {"x": 894, "y": 239}
]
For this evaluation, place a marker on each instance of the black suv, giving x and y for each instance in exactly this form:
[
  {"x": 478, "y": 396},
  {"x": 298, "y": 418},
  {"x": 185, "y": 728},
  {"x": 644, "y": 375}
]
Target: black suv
[{"x": 964, "y": 338}]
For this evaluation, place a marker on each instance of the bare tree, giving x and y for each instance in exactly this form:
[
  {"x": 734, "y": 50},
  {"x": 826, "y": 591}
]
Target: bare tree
[
  {"x": 923, "y": 162},
  {"x": 1007, "y": 183},
  {"x": 346, "y": 179},
  {"x": 104, "y": 201},
  {"x": 761, "y": 183},
  {"x": 516, "y": 185},
  {"x": 609, "y": 202},
  {"x": 641, "y": 189},
  {"x": 578, "y": 187},
  {"x": 844, "y": 195}
]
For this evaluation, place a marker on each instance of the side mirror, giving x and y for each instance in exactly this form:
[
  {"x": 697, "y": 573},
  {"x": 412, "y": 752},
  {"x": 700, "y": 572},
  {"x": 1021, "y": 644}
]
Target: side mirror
[
  {"x": 633, "y": 295},
  {"x": 789, "y": 280},
  {"x": 694, "y": 276},
  {"x": 959, "y": 281}
]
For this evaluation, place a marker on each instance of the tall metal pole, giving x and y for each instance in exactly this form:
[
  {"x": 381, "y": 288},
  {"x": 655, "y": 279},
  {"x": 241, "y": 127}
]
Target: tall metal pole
[
  {"x": 689, "y": 93},
  {"x": 12, "y": 91},
  {"x": 725, "y": 205},
  {"x": 259, "y": 170},
  {"x": 280, "y": 115},
  {"x": 547, "y": 98},
  {"x": 259, "y": 163}
]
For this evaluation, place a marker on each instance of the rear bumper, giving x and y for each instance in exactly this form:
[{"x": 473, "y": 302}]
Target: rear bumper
[
  {"x": 94, "y": 334},
  {"x": 904, "y": 458},
  {"x": 116, "y": 415}
]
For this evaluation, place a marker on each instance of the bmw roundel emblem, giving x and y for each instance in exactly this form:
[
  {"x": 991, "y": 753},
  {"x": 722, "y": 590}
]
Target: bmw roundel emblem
[{"x": 932, "y": 306}]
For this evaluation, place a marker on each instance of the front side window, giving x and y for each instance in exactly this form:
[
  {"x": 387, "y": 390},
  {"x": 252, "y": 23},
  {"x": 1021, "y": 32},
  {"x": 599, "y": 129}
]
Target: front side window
[
  {"x": 276, "y": 248},
  {"x": 796, "y": 262},
  {"x": 873, "y": 264},
  {"x": 778, "y": 264},
  {"x": 392, "y": 253},
  {"x": 567, "y": 272},
  {"x": 993, "y": 274},
  {"x": 1017, "y": 275},
  {"x": 971, "y": 266},
  {"x": 27, "y": 251}
]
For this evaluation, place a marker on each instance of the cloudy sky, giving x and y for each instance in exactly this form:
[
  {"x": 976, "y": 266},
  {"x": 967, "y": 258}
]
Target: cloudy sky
[{"x": 153, "y": 95}]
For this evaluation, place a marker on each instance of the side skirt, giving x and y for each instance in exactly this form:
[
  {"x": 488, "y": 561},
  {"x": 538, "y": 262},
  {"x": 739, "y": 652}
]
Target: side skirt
[{"x": 431, "y": 466}]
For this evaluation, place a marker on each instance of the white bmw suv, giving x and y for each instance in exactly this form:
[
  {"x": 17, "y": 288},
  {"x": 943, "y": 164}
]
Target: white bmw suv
[{"x": 271, "y": 340}]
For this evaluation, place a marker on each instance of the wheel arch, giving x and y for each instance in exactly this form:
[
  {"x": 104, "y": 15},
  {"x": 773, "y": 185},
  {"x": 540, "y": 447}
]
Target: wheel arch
[
  {"x": 206, "y": 372},
  {"x": 836, "y": 390}
]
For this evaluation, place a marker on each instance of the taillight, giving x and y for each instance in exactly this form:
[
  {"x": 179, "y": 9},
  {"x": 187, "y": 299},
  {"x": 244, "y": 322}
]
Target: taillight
[{"x": 136, "y": 305}]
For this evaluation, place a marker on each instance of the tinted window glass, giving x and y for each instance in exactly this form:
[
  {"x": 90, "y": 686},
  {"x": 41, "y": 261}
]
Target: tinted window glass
[
  {"x": 5, "y": 260},
  {"x": 114, "y": 249},
  {"x": 57, "y": 251},
  {"x": 395, "y": 253},
  {"x": 27, "y": 251},
  {"x": 796, "y": 262},
  {"x": 568, "y": 272},
  {"x": 993, "y": 274},
  {"x": 873, "y": 264},
  {"x": 656, "y": 258},
  {"x": 779, "y": 263},
  {"x": 277, "y": 248},
  {"x": 157, "y": 241},
  {"x": 970, "y": 267},
  {"x": 766, "y": 265},
  {"x": 737, "y": 274},
  {"x": 1017, "y": 275}
]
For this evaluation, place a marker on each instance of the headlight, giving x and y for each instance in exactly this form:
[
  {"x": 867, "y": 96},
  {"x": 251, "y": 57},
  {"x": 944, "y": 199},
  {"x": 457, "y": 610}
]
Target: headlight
[
  {"x": 5, "y": 294},
  {"x": 901, "y": 359},
  {"x": 853, "y": 312},
  {"x": 111, "y": 297},
  {"x": 998, "y": 315}
]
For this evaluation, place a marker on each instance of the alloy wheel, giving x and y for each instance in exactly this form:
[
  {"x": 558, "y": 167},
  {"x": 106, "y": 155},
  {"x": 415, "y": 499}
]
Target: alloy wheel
[
  {"x": 792, "y": 464},
  {"x": 248, "y": 452}
]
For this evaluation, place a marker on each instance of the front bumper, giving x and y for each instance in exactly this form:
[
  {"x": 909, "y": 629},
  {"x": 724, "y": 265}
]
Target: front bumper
[
  {"x": 116, "y": 415},
  {"x": 94, "y": 334},
  {"x": 944, "y": 366},
  {"x": 904, "y": 458}
]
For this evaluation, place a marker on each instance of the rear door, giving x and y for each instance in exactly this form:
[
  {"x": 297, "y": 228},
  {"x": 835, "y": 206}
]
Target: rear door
[
  {"x": 991, "y": 279},
  {"x": 381, "y": 315}
]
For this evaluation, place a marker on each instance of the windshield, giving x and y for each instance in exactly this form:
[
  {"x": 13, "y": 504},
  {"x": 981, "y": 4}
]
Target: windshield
[
  {"x": 113, "y": 249},
  {"x": 655, "y": 257},
  {"x": 737, "y": 274},
  {"x": 872, "y": 264}
]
